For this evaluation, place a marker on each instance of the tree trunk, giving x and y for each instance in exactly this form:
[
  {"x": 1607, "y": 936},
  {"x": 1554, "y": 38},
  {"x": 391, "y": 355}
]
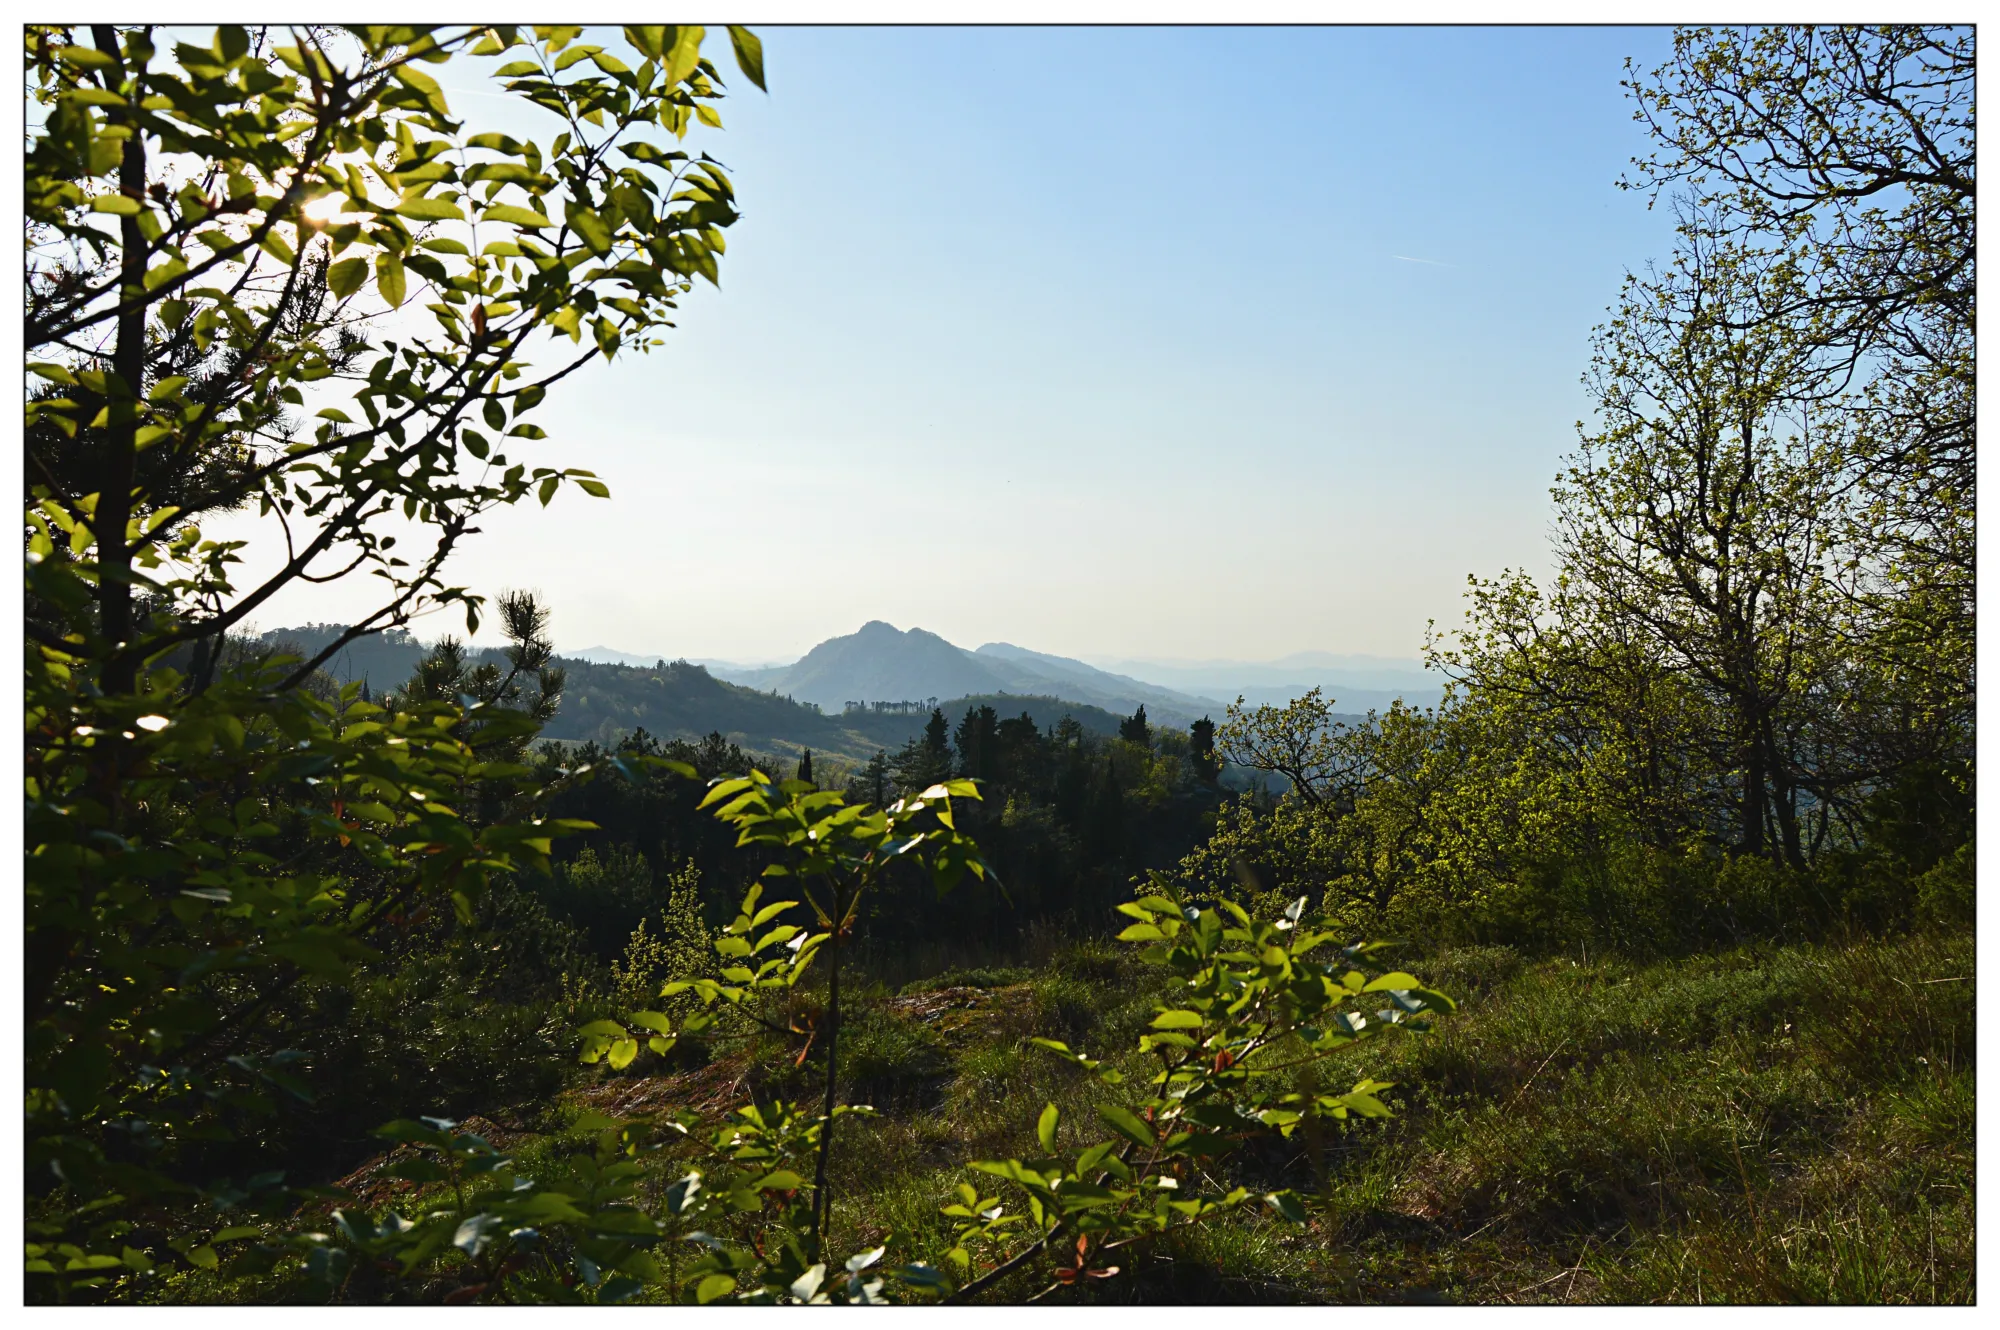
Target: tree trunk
[
  {"x": 822, "y": 1201},
  {"x": 128, "y": 361},
  {"x": 1752, "y": 841}
]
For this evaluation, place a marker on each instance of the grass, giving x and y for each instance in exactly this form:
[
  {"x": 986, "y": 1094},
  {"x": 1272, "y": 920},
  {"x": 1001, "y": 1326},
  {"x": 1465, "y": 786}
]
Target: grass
[
  {"x": 1774, "y": 1124},
  {"x": 1777, "y": 1125}
]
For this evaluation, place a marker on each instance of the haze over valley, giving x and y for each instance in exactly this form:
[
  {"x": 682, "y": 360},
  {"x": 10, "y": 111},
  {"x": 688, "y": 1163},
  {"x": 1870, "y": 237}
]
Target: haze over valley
[{"x": 880, "y": 663}]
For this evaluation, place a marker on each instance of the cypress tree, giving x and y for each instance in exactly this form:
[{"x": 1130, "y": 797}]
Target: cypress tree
[
  {"x": 1201, "y": 751},
  {"x": 1133, "y": 729}
]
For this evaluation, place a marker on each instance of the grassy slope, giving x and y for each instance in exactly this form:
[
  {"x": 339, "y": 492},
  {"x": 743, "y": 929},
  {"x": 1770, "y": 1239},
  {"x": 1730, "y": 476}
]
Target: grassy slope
[{"x": 1775, "y": 1124}]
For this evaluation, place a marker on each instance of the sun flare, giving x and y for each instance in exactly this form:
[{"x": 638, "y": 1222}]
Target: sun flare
[{"x": 326, "y": 209}]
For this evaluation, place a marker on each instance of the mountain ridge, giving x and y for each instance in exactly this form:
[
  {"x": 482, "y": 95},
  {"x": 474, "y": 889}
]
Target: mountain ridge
[
  {"x": 603, "y": 701},
  {"x": 882, "y": 663},
  {"x": 1174, "y": 690}
]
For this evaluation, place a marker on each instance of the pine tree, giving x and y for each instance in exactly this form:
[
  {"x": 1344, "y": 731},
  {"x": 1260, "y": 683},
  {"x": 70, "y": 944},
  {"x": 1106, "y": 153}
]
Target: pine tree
[
  {"x": 1104, "y": 824},
  {"x": 806, "y": 766},
  {"x": 872, "y": 784},
  {"x": 978, "y": 743},
  {"x": 925, "y": 761}
]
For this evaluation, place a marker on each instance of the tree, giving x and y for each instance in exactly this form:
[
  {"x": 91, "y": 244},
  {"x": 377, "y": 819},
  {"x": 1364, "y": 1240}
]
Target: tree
[
  {"x": 978, "y": 743},
  {"x": 832, "y": 854},
  {"x": 1705, "y": 518},
  {"x": 219, "y": 242},
  {"x": 209, "y": 239},
  {"x": 936, "y": 733},
  {"x": 926, "y": 760},
  {"x": 1201, "y": 751},
  {"x": 806, "y": 766},
  {"x": 1847, "y": 153},
  {"x": 1133, "y": 729},
  {"x": 1852, "y": 142},
  {"x": 872, "y": 783},
  {"x": 1715, "y": 649},
  {"x": 1301, "y": 741}
]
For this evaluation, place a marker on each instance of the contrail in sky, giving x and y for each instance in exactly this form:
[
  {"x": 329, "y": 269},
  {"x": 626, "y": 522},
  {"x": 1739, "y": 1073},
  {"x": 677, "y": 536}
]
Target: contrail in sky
[{"x": 1433, "y": 262}]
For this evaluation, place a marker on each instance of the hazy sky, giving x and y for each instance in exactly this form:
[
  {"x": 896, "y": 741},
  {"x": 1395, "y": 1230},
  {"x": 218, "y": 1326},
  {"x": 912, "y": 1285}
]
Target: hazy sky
[{"x": 1133, "y": 342}]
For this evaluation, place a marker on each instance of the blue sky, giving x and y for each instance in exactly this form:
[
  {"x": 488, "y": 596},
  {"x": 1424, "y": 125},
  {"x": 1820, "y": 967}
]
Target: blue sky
[{"x": 1104, "y": 342}]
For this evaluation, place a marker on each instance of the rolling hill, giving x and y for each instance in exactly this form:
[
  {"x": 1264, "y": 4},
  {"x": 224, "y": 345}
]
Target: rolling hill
[
  {"x": 682, "y": 700},
  {"x": 894, "y": 675}
]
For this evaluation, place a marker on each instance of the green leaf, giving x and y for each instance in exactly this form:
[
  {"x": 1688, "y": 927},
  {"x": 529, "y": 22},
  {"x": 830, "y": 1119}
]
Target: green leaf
[
  {"x": 713, "y": 1287},
  {"x": 345, "y": 277},
  {"x": 589, "y": 226},
  {"x": 647, "y": 41},
  {"x": 1177, "y": 1020},
  {"x": 514, "y": 216},
  {"x": 423, "y": 84},
  {"x": 430, "y": 210},
  {"x": 1126, "y": 1124},
  {"x": 87, "y": 57},
  {"x": 117, "y": 204},
  {"x": 1045, "y": 1129},
  {"x": 389, "y": 279},
  {"x": 683, "y": 55},
  {"x": 770, "y": 912},
  {"x": 1288, "y": 1204},
  {"x": 749, "y": 54}
]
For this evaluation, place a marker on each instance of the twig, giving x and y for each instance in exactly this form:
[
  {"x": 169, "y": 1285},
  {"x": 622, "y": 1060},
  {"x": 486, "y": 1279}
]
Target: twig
[
  {"x": 1532, "y": 1287},
  {"x": 1538, "y": 1071},
  {"x": 1570, "y": 1288},
  {"x": 1481, "y": 1229}
]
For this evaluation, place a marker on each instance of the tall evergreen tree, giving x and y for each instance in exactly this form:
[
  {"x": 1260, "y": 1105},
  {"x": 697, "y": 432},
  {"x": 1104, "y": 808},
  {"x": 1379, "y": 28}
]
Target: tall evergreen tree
[
  {"x": 978, "y": 743},
  {"x": 1134, "y": 729},
  {"x": 1104, "y": 823},
  {"x": 806, "y": 765},
  {"x": 1201, "y": 751},
  {"x": 924, "y": 761},
  {"x": 872, "y": 784}
]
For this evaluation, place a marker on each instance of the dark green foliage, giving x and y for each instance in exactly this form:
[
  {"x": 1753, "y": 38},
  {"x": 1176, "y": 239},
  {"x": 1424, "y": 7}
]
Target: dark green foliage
[
  {"x": 977, "y": 741},
  {"x": 1201, "y": 750},
  {"x": 873, "y": 782},
  {"x": 1134, "y": 730}
]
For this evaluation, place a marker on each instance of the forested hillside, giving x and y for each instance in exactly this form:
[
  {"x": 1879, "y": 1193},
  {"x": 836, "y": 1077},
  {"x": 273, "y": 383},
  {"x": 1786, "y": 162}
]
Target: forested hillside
[
  {"x": 359, "y": 972},
  {"x": 677, "y": 700}
]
